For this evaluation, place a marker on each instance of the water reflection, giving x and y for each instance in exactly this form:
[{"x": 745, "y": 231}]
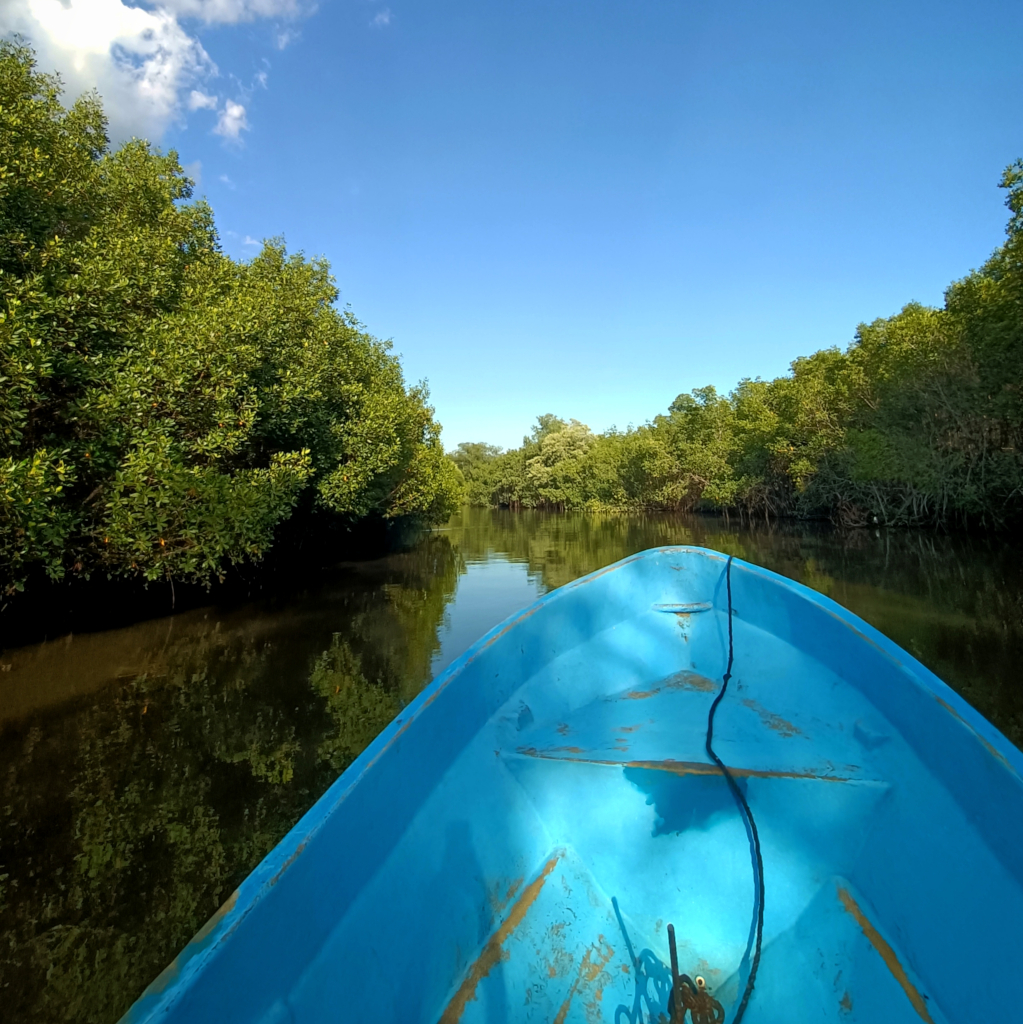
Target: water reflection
[
  {"x": 146, "y": 770},
  {"x": 129, "y": 813}
]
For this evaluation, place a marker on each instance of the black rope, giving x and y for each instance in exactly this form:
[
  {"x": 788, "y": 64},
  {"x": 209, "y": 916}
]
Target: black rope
[{"x": 740, "y": 799}]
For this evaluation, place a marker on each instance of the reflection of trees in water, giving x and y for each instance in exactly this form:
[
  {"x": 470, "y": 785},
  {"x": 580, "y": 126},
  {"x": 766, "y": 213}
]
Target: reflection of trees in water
[
  {"x": 954, "y": 601},
  {"x": 126, "y": 819},
  {"x": 359, "y": 709}
]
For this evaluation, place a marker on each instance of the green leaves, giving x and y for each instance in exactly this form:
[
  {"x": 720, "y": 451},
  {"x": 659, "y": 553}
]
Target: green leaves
[
  {"x": 195, "y": 402},
  {"x": 165, "y": 518},
  {"x": 36, "y": 521}
]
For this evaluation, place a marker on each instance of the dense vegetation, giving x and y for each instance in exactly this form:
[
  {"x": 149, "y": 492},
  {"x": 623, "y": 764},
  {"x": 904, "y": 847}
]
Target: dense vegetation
[
  {"x": 919, "y": 421},
  {"x": 164, "y": 408}
]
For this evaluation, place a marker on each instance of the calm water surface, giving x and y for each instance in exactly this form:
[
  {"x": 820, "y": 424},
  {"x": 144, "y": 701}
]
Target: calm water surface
[{"x": 145, "y": 770}]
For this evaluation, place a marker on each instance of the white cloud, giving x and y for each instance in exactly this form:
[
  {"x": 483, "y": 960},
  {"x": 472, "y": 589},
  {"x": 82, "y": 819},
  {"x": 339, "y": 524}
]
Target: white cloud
[
  {"x": 145, "y": 64},
  {"x": 139, "y": 60},
  {"x": 285, "y": 37},
  {"x": 383, "y": 18},
  {"x": 201, "y": 101},
  {"x": 194, "y": 171},
  {"x": 227, "y": 181},
  {"x": 232, "y": 120},
  {"x": 261, "y": 79},
  {"x": 230, "y": 12},
  {"x": 249, "y": 240}
]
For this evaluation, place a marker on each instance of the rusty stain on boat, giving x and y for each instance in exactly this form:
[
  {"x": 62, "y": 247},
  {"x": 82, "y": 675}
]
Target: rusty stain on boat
[
  {"x": 887, "y": 954},
  {"x": 499, "y": 901},
  {"x": 589, "y": 971},
  {"x": 164, "y": 978},
  {"x": 687, "y": 680},
  {"x": 492, "y": 951},
  {"x": 688, "y": 767},
  {"x": 684, "y": 680},
  {"x": 640, "y": 694},
  {"x": 996, "y": 754},
  {"x": 773, "y": 721},
  {"x": 291, "y": 860}
]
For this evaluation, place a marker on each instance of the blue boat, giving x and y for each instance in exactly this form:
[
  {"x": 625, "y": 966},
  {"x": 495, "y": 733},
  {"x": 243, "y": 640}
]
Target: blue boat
[{"x": 680, "y": 788}]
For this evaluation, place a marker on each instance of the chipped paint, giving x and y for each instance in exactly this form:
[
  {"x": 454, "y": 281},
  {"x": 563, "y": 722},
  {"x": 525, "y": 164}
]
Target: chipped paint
[
  {"x": 640, "y": 694},
  {"x": 492, "y": 951},
  {"x": 224, "y": 922},
  {"x": 685, "y": 620},
  {"x": 499, "y": 899},
  {"x": 560, "y": 963},
  {"x": 996, "y": 754},
  {"x": 685, "y": 608},
  {"x": 611, "y": 568},
  {"x": 887, "y": 955},
  {"x": 688, "y": 767},
  {"x": 771, "y": 720},
  {"x": 167, "y": 975},
  {"x": 687, "y": 680},
  {"x": 845, "y": 1003},
  {"x": 590, "y": 970},
  {"x": 684, "y": 680},
  {"x": 291, "y": 860}
]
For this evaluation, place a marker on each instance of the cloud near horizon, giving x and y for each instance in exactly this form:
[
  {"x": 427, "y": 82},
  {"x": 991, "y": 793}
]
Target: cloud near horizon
[{"x": 147, "y": 66}]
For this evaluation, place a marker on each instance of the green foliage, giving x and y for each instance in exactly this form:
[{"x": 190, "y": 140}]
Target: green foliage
[
  {"x": 472, "y": 459},
  {"x": 920, "y": 420},
  {"x": 32, "y": 514},
  {"x": 164, "y": 408}
]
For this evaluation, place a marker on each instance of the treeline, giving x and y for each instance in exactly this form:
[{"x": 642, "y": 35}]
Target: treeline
[
  {"x": 164, "y": 408},
  {"x": 919, "y": 421}
]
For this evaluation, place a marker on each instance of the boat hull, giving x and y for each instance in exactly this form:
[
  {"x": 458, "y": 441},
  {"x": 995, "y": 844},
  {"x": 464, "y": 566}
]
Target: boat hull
[{"x": 514, "y": 845}]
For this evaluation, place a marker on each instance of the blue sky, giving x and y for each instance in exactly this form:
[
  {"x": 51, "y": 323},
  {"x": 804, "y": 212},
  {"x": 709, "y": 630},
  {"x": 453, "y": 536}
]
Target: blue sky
[{"x": 586, "y": 208}]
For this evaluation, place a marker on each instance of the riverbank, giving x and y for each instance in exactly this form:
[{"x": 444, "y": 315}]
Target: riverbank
[{"x": 302, "y": 556}]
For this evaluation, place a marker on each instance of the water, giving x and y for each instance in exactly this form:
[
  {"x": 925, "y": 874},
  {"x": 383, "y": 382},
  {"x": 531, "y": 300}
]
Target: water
[{"x": 145, "y": 770}]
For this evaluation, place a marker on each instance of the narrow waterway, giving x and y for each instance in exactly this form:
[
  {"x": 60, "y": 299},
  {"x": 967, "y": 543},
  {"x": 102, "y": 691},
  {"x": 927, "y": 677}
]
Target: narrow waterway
[{"x": 145, "y": 770}]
